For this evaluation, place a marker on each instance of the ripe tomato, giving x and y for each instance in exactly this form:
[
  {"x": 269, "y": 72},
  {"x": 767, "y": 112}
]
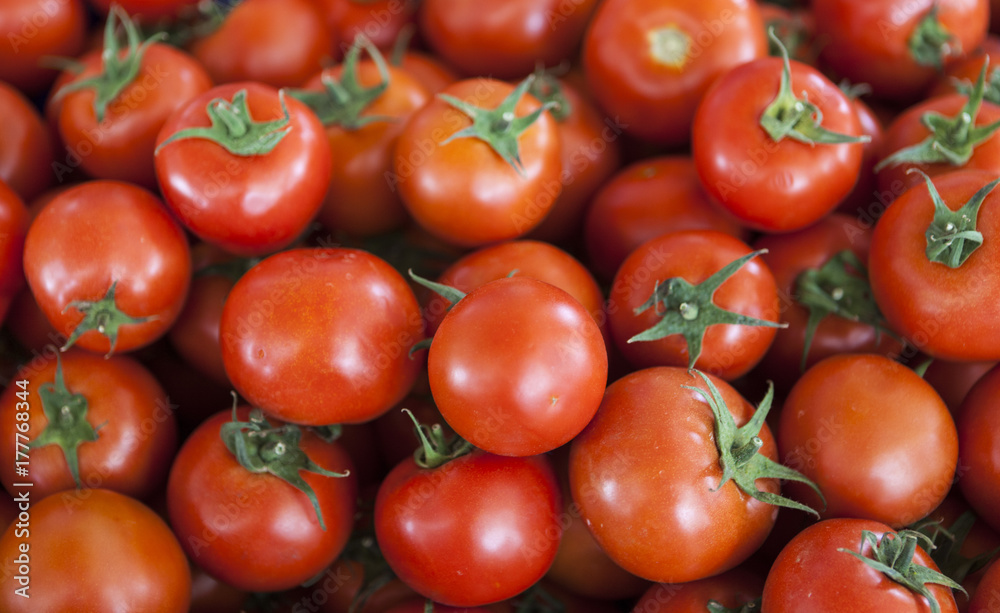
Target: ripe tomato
[
  {"x": 97, "y": 538},
  {"x": 875, "y": 437},
  {"x": 731, "y": 589},
  {"x": 254, "y": 529},
  {"x": 147, "y": 10},
  {"x": 649, "y": 62},
  {"x": 978, "y": 442},
  {"x": 250, "y": 192},
  {"x": 108, "y": 265},
  {"x": 25, "y": 145},
  {"x": 13, "y": 229},
  {"x": 335, "y": 324},
  {"x": 987, "y": 595},
  {"x": 380, "y": 21},
  {"x": 33, "y": 30}
]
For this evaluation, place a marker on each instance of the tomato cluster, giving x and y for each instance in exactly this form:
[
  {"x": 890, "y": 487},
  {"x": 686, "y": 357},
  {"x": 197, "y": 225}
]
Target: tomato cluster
[{"x": 390, "y": 306}]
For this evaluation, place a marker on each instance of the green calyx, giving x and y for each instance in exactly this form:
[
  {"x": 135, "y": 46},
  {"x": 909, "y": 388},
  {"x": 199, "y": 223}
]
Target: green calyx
[
  {"x": 952, "y": 139},
  {"x": 233, "y": 129},
  {"x": 893, "y": 557},
  {"x": 260, "y": 448},
  {"x": 102, "y": 315},
  {"x": 68, "y": 427},
  {"x": 739, "y": 449},
  {"x": 839, "y": 287},
  {"x": 751, "y": 607},
  {"x": 797, "y": 118},
  {"x": 117, "y": 71},
  {"x": 436, "y": 448},
  {"x": 930, "y": 41},
  {"x": 342, "y": 102},
  {"x": 952, "y": 236},
  {"x": 500, "y": 128},
  {"x": 991, "y": 89},
  {"x": 688, "y": 309},
  {"x": 548, "y": 90},
  {"x": 947, "y": 543},
  {"x": 449, "y": 293}
]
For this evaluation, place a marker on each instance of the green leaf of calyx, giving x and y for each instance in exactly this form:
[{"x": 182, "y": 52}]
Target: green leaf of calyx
[
  {"x": 952, "y": 140},
  {"x": 739, "y": 450},
  {"x": 341, "y": 103},
  {"x": 893, "y": 557},
  {"x": 500, "y": 128},
  {"x": 689, "y": 309},
  {"x": 948, "y": 543},
  {"x": 102, "y": 315},
  {"x": 751, "y": 607},
  {"x": 931, "y": 42},
  {"x": 548, "y": 90},
  {"x": 436, "y": 448},
  {"x": 235, "y": 130},
  {"x": 797, "y": 118},
  {"x": 68, "y": 427},
  {"x": 118, "y": 70},
  {"x": 260, "y": 448},
  {"x": 839, "y": 287},
  {"x": 952, "y": 236},
  {"x": 991, "y": 89}
]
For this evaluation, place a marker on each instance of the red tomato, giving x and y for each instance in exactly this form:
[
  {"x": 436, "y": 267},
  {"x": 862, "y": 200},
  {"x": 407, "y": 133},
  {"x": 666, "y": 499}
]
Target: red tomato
[
  {"x": 146, "y": 10},
  {"x": 336, "y": 324},
  {"x": 987, "y": 595},
  {"x": 649, "y": 62},
  {"x": 380, "y": 21},
  {"x": 26, "y": 154},
  {"x": 865, "y": 188},
  {"x": 731, "y": 589},
  {"x": 953, "y": 380},
  {"x": 979, "y": 448},
  {"x": 32, "y": 30},
  {"x": 427, "y": 69},
  {"x": 107, "y": 257},
  {"x": 246, "y": 199},
  {"x": 96, "y": 538},
  {"x": 13, "y": 229}
]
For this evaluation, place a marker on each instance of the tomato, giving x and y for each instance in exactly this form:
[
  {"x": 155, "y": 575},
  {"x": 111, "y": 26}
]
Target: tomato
[
  {"x": 866, "y": 186},
  {"x": 778, "y": 145},
  {"x": 380, "y": 21},
  {"x": 108, "y": 122},
  {"x": 26, "y": 154},
  {"x": 108, "y": 266},
  {"x": 250, "y": 197},
  {"x": 729, "y": 329},
  {"x": 93, "y": 538},
  {"x": 335, "y": 324},
  {"x": 146, "y": 10},
  {"x": 279, "y": 43},
  {"x": 110, "y": 416},
  {"x": 234, "y": 522},
  {"x": 953, "y": 380},
  {"x": 987, "y": 596},
  {"x": 875, "y": 437},
  {"x": 33, "y": 30},
  {"x": 427, "y": 69},
  {"x": 732, "y": 589},
  {"x": 649, "y": 62},
  {"x": 527, "y": 386},
  {"x": 874, "y": 42},
  {"x": 978, "y": 445},
  {"x": 819, "y": 570},
  {"x": 504, "y": 40},
  {"x": 960, "y": 75},
  {"x": 462, "y": 190},
  {"x": 13, "y": 229},
  {"x": 943, "y": 307},
  {"x": 475, "y": 530}
]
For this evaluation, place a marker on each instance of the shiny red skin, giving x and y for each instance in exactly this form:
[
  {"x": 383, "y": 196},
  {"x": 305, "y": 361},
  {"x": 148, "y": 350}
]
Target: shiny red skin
[
  {"x": 120, "y": 146},
  {"x": 728, "y": 350},
  {"x": 477, "y": 530},
  {"x": 644, "y": 200},
  {"x": 648, "y": 462},
  {"x": 102, "y": 539},
  {"x": 867, "y": 42},
  {"x": 26, "y": 152},
  {"x": 811, "y": 575},
  {"x": 333, "y": 324},
  {"x": 381, "y": 21},
  {"x": 100, "y": 232},
  {"x": 979, "y": 448},
  {"x": 945, "y": 312},
  {"x": 875, "y": 438},
  {"x": 773, "y": 186},
  {"x": 135, "y": 423},
  {"x": 246, "y": 205},
  {"x": 32, "y": 30},
  {"x": 144, "y": 10},
  {"x": 731, "y": 589},
  {"x": 253, "y": 530},
  {"x": 13, "y": 229},
  {"x": 505, "y": 40},
  {"x": 517, "y": 367},
  {"x": 656, "y": 101}
]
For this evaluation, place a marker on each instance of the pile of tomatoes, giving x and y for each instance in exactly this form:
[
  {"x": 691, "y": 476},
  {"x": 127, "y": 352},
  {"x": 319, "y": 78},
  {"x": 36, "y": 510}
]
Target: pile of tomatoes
[{"x": 538, "y": 305}]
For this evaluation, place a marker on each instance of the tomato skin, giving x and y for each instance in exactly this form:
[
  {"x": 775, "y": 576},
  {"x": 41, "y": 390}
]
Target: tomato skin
[
  {"x": 144, "y": 10},
  {"x": 773, "y": 186},
  {"x": 728, "y": 350},
  {"x": 427, "y": 69},
  {"x": 978, "y": 444},
  {"x": 865, "y": 189},
  {"x": 381, "y": 21},
  {"x": 945, "y": 312},
  {"x": 102, "y": 539},
  {"x": 438, "y": 528},
  {"x": 874, "y": 436},
  {"x": 102, "y": 232},
  {"x": 120, "y": 147},
  {"x": 235, "y": 523},
  {"x": 246, "y": 205},
  {"x": 525, "y": 387},
  {"x": 647, "y": 461},
  {"x": 656, "y": 101},
  {"x": 32, "y": 31},
  {"x": 953, "y": 380},
  {"x": 195, "y": 335},
  {"x": 463, "y": 192},
  {"x": 987, "y": 596},
  {"x": 811, "y": 575},
  {"x": 13, "y": 229},
  {"x": 25, "y": 145},
  {"x": 731, "y": 589},
  {"x": 316, "y": 323}
]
